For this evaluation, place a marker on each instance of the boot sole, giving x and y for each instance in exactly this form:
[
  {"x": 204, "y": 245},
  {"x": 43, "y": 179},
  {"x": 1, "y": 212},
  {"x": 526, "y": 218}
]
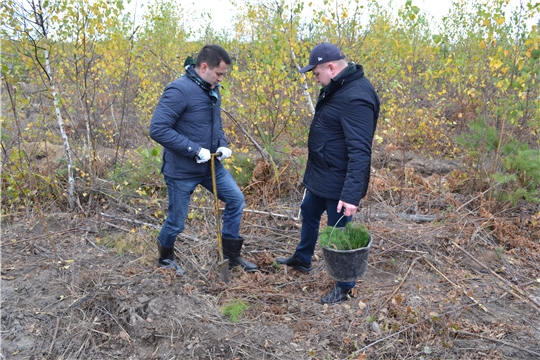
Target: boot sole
[
  {"x": 298, "y": 267},
  {"x": 301, "y": 268},
  {"x": 245, "y": 270}
]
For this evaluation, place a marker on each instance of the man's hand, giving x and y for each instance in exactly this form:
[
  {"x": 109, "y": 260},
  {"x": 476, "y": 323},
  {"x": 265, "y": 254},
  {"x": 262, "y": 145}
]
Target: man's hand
[
  {"x": 348, "y": 209},
  {"x": 203, "y": 156},
  {"x": 225, "y": 152}
]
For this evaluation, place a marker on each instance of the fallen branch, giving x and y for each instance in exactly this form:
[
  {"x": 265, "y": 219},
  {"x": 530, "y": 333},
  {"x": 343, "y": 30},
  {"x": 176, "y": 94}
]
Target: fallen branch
[
  {"x": 54, "y": 233},
  {"x": 399, "y": 286},
  {"x": 54, "y": 335},
  {"x": 474, "y": 198},
  {"x": 130, "y": 220},
  {"x": 47, "y": 232},
  {"x": 357, "y": 352},
  {"x": 517, "y": 292},
  {"x": 535, "y": 354},
  {"x": 116, "y": 226},
  {"x": 202, "y": 208},
  {"x": 93, "y": 244},
  {"x": 456, "y": 286},
  {"x": 410, "y": 217}
]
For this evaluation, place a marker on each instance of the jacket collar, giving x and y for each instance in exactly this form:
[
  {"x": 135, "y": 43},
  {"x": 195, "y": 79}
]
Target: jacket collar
[
  {"x": 207, "y": 88},
  {"x": 340, "y": 78},
  {"x": 192, "y": 74}
]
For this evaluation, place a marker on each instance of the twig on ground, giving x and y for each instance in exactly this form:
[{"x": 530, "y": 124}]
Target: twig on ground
[
  {"x": 387, "y": 337},
  {"x": 456, "y": 286},
  {"x": 116, "y": 226},
  {"x": 202, "y": 208},
  {"x": 84, "y": 298},
  {"x": 126, "y": 337},
  {"x": 54, "y": 335},
  {"x": 195, "y": 266},
  {"x": 131, "y": 220},
  {"x": 517, "y": 292},
  {"x": 399, "y": 286},
  {"x": 474, "y": 198},
  {"x": 93, "y": 244},
  {"x": 357, "y": 352},
  {"x": 44, "y": 223},
  {"x": 410, "y": 217},
  {"x": 266, "y": 353},
  {"x": 55, "y": 233},
  {"x": 537, "y": 355}
]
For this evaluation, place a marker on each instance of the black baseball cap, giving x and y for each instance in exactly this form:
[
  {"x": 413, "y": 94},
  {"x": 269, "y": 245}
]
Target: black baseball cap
[{"x": 321, "y": 54}]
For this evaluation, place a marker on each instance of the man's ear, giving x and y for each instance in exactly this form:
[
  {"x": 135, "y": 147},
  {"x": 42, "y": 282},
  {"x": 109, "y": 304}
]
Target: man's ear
[{"x": 332, "y": 67}]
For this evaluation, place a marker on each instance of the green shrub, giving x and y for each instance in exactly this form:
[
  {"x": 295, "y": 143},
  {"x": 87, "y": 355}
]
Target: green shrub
[
  {"x": 142, "y": 175},
  {"x": 350, "y": 237},
  {"x": 241, "y": 168},
  {"x": 521, "y": 177}
]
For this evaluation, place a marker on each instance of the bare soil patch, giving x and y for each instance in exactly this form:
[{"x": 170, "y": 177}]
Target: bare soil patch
[{"x": 455, "y": 282}]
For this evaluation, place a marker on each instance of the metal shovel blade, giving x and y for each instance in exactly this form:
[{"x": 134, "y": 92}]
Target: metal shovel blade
[{"x": 224, "y": 270}]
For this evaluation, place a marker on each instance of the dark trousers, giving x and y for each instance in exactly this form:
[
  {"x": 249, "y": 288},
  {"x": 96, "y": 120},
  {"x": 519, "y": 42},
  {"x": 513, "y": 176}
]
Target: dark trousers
[{"x": 312, "y": 209}]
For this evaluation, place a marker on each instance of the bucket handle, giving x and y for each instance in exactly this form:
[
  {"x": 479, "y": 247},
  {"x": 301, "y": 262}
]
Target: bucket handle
[{"x": 334, "y": 228}]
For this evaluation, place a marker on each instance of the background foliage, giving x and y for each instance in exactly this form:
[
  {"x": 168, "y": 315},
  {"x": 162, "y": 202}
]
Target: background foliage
[{"x": 466, "y": 90}]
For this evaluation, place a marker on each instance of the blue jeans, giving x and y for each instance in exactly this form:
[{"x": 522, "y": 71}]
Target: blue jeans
[
  {"x": 180, "y": 191},
  {"x": 312, "y": 209}
]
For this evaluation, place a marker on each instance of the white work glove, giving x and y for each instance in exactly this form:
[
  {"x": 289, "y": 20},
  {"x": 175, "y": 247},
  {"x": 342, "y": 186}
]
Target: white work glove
[
  {"x": 225, "y": 152},
  {"x": 203, "y": 156}
]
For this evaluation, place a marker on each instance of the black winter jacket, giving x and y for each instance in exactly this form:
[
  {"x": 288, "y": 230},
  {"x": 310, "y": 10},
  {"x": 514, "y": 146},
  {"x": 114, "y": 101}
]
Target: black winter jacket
[
  {"x": 186, "y": 119},
  {"x": 340, "y": 137}
]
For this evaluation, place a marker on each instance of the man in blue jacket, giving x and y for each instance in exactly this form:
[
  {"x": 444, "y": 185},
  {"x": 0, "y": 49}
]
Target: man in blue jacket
[
  {"x": 339, "y": 153},
  {"x": 187, "y": 123}
]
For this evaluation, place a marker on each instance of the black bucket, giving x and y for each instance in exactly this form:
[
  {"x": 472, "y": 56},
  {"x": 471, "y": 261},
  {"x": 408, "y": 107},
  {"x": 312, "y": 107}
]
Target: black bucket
[{"x": 347, "y": 265}]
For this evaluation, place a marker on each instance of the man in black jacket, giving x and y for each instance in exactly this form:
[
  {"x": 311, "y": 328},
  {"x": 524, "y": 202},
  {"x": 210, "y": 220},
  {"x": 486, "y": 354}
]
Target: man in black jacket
[
  {"x": 339, "y": 153},
  {"x": 187, "y": 123}
]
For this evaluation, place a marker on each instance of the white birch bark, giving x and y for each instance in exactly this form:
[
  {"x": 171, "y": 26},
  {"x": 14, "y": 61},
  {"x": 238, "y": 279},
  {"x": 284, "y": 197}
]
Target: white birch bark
[
  {"x": 305, "y": 85},
  {"x": 71, "y": 180}
]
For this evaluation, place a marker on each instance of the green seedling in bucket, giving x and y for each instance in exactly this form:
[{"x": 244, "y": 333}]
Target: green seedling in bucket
[{"x": 350, "y": 237}]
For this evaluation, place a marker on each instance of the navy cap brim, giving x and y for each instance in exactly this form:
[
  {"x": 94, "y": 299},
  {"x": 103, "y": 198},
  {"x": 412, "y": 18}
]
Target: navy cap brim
[{"x": 307, "y": 68}]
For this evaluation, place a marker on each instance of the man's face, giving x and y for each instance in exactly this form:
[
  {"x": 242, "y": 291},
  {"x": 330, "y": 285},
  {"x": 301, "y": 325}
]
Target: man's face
[
  {"x": 324, "y": 73},
  {"x": 213, "y": 76}
]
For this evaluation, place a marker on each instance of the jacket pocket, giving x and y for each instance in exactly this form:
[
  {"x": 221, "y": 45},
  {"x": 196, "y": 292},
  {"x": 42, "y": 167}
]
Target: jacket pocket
[{"x": 318, "y": 158}]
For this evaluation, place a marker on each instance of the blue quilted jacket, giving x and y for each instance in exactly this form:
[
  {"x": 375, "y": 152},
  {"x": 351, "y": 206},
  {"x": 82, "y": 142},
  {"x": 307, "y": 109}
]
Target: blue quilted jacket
[{"x": 186, "y": 119}]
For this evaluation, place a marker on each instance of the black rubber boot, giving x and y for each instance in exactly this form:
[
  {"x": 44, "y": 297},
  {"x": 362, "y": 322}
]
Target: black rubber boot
[
  {"x": 295, "y": 263},
  {"x": 231, "y": 251},
  {"x": 337, "y": 295},
  {"x": 167, "y": 261}
]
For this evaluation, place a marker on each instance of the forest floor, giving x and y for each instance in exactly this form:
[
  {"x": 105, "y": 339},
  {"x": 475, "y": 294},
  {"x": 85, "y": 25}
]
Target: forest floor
[{"x": 447, "y": 278}]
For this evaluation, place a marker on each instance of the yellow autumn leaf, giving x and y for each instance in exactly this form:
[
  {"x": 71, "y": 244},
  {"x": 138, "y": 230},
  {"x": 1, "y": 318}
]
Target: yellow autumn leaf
[{"x": 495, "y": 63}]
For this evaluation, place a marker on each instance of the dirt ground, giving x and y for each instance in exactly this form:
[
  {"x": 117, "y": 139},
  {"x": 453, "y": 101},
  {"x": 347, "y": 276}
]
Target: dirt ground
[{"x": 446, "y": 279}]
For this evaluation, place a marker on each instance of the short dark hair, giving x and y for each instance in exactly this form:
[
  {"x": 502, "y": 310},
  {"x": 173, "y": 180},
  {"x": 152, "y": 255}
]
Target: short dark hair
[{"x": 213, "y": 55}]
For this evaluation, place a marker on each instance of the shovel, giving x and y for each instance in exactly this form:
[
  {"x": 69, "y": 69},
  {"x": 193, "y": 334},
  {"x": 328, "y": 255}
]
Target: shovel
[{"x": 223, "y": 264}]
